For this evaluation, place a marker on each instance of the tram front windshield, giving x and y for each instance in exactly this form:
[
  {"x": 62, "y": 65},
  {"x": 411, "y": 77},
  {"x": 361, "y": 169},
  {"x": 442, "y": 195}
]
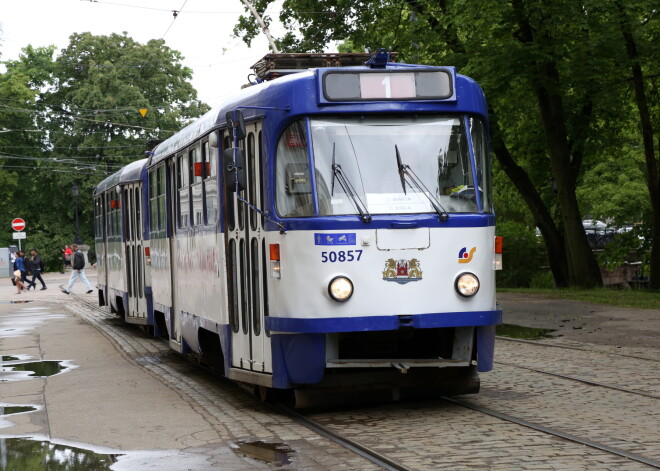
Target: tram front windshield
[{"x": 370, "y": 153}]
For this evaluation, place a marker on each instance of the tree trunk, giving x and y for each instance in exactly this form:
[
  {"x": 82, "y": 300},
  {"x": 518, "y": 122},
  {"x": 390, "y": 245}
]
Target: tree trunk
[
  {"x": 653, "y": 177},
  {"x": 552, "y": 238},
  {"x": 583, "y": 270}
]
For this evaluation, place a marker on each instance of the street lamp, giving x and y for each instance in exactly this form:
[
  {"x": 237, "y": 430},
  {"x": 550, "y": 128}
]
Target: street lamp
[{"x": 75, "y": 191}]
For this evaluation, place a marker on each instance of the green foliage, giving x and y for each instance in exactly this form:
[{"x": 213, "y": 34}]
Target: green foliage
[
  {"x": 74, "y": 120},
  {"x": 522, "y": 255},
  {"x": 530, "y": 57}
]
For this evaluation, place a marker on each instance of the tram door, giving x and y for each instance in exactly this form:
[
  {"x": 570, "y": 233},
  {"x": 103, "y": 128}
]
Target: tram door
[
  {"x": 246, "y": 259},
  {"x": 136, "y": 310},
  {"x": 175, "y": 182}
]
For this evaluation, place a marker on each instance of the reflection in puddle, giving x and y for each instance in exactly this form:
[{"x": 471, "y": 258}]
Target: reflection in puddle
[
  {"x": 520, "y": 332},
  {"x": 17, "y": 302},
  {"x": 8, "y": 410},
  {"x": 31, "y": 454},
  {"x": 36, "y": 369},
  {"x": 273, "y": 453},
  {"x": 8, "y": 358}
]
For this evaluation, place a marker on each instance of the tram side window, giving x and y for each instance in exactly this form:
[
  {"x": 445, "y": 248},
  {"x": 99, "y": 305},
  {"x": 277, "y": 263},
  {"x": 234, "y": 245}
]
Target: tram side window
[
  {"x": 480, "y": 147},
  {"x": 210, "y": 183},
  {"x": 183, "y": 188},
  {"x": 153, "y": 202},
  {"x": 160, "y": 191},
  {"x": 294, "y": 186},
  {"x": 99, "y": 212},
  {"x": 229, "y": 195},
  {"x": 117, "y": 214},
  {"x": 197, "y": 175}
]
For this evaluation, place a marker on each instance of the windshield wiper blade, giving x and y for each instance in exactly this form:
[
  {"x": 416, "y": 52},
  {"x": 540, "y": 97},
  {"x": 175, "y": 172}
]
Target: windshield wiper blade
[
  {"x": 406, "y": 171},
  {"x": 338, "y": 173},
  {"x": 402, "y": 171}
]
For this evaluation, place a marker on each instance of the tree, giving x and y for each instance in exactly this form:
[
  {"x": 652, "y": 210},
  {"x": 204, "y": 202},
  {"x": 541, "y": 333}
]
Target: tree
[
  {"x": 85, "y": 105},
  {"x": 629, "y": 21}
]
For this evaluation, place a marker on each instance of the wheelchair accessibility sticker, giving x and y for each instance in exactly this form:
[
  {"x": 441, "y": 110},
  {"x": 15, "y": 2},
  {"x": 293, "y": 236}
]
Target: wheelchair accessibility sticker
[{"x": 335, "y": 239}]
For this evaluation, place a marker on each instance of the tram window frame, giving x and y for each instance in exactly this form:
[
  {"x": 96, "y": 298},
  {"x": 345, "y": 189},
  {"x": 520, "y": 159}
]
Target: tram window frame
[
  {"x": 99, "y": 213},
  {"x": 297, "y": 199},
  {"x": 253, "y": 174},
  {"x": 153, "y": 201},
  {"x": 161, "y": 191},
  {"x": 210, "y": 183},
  {"x": 196, "y": 159},
  {"x": 229, "y": 198},
  {"x": 183, "y": 189},
  {"x": 116, "y": 213}
]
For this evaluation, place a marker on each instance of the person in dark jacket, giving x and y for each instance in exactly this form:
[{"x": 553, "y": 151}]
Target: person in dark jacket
[
  {"x": 24, "y": 267},
  {"x": 37, "y": 268},
  {"x": 78, "y": 265}
]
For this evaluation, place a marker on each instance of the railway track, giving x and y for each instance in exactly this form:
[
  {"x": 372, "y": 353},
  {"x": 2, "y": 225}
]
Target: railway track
[
  {"x": 384, "y": 462},
  {"x": 556, "y": 433},
  {"x": 568, "y": 347}
]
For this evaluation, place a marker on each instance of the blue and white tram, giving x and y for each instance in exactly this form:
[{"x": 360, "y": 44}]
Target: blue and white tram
[
  {"x": 331, "y": 230},
  {"x": 122, "y": 243}
]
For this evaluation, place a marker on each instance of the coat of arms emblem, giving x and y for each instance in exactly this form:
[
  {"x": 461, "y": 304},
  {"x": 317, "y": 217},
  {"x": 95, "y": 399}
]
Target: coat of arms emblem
[{"x": 402, "y": 271}]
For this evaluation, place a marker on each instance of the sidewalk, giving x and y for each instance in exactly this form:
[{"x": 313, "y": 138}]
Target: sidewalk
[{"x": 55, "y": 281}]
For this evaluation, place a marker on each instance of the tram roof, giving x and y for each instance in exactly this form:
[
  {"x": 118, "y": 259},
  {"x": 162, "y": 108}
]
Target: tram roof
[
  {"x": 294, "y": 93},
  {"x": 130, "y": 173}
]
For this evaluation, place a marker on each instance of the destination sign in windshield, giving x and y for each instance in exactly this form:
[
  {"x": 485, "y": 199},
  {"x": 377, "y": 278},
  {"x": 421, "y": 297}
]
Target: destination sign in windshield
[{"x": 388, "y": 85}]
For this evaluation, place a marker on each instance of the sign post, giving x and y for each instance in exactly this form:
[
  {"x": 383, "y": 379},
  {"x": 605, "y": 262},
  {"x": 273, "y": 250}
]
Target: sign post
[{"x": 18, "y": 225}]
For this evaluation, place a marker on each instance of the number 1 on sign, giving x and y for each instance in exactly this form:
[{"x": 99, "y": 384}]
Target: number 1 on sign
[{"x": 388, "y": 86}]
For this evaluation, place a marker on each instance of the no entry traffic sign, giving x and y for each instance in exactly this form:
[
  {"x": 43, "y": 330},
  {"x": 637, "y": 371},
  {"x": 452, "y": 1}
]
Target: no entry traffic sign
[{"x": 18, "y": 224}]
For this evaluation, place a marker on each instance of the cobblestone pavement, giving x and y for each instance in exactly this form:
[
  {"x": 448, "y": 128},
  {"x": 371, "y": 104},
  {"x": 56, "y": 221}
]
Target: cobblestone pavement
[
  {"x": 432, "y": 435},
  {"x": 235, "y": 417},
  {"x": 440, "y": 435}
]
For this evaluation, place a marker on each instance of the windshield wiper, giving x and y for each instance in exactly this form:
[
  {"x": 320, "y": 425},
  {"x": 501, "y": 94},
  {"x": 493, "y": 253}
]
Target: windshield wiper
[
  {"x": 338, "y": 173},
  {"x": 406, "y": 171}
]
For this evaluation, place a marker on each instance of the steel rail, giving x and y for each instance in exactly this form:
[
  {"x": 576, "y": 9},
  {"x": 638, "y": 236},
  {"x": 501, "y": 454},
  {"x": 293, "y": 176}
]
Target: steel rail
[
  {"x": 580, "y": 380},
  {"x": 557, "y": 433},
  {"x": 347, "y": 443},
  {"x": 541, "y": 344}
]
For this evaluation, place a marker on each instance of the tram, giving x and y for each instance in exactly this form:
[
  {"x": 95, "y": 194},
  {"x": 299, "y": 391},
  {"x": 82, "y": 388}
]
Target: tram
[{"x": 329, "y": 229}]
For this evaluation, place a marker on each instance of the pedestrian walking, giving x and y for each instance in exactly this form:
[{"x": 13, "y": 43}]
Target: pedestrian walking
[
  {"x": 67, "y": 253},
  {"x": 23, "y": 265},
  {"x": 17, "y": 281},
  {"x": 78, "y": 271},
  {"x": 37, "y": 268}
]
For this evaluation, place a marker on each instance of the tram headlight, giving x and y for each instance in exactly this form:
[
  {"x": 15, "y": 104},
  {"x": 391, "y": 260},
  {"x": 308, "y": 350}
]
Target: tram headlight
[
  {"x": 467, "y": 284},
  {"x": 340, "y": 288}
]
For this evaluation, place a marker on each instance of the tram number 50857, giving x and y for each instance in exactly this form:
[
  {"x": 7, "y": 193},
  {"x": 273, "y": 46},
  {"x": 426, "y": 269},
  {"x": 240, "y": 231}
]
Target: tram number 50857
[{"x": 341, "y": 256}]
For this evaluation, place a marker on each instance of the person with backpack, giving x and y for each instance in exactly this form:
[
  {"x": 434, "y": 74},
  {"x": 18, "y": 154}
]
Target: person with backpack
[
  {"x": 78, "y": 265},
  {"x": 37, "y": 269}
]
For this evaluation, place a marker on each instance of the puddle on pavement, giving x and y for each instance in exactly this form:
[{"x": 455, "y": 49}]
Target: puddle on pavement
[
  {"x": 521, "y": 332},
  {"x": 4, "y": 358},
  {"x": 28, "y": 453},
  {"x": 17, "y": 302},
  {"x": 34, "y": 369},
  {"x": 272, "y": 453},
  {"x": 9, "y": 410}
]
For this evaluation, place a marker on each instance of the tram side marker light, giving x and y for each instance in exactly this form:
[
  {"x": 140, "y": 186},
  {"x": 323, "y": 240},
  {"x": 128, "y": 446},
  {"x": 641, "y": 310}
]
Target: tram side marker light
[
  {"x": 147, "y": 255},
  {"x": 497, "y": 260},
  {"x": 275, "y": 268},
  {"x": 275, "y": 252}
]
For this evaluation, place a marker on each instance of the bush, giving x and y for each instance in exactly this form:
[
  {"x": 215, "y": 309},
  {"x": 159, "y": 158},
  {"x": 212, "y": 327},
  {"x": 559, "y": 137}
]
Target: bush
[{"x": 522, "y": 255}]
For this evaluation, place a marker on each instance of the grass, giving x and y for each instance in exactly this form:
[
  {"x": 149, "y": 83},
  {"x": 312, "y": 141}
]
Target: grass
[{"x": 628, "y": 298}]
